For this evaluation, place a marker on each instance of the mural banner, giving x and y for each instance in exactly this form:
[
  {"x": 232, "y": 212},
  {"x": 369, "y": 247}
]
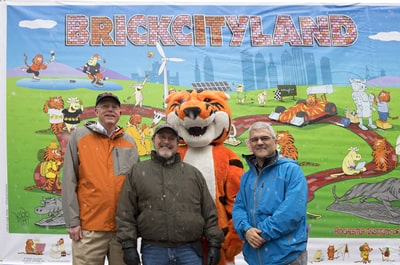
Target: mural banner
[{"x": 326, "y": 77}]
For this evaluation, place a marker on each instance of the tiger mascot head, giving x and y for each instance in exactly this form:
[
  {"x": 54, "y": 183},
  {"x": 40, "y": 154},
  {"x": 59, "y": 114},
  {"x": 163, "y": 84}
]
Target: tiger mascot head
[{"x": 201, "y": 117}]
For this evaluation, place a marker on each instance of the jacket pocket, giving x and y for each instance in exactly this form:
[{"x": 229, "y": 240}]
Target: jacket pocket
[{"x": 123, "y": 159}]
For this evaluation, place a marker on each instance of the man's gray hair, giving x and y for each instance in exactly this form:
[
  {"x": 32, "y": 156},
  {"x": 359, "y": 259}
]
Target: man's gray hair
[{"x": 259, "y": 125}]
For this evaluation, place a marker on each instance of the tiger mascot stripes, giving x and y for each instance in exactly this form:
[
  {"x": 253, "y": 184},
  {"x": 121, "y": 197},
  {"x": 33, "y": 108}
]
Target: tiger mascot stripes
[{"x": 203, "y": 120}]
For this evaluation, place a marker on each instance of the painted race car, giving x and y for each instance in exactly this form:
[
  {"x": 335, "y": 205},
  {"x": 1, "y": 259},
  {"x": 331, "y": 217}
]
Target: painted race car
[{"x": 307, "y": 111}]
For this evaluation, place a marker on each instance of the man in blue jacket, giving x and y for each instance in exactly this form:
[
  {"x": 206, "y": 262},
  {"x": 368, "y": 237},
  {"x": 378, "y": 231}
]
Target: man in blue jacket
[{"x": 269, "y": 212}]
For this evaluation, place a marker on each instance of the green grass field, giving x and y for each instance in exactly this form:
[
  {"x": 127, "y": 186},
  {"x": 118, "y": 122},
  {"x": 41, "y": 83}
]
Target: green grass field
[{"x": 325, "y": 144}]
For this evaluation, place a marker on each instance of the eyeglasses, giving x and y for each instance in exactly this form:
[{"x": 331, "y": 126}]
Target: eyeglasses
[
  {"x": 165, "y": 137},
  {"x": 263, "y": 139},
  {"x": 107, "y": 106}
]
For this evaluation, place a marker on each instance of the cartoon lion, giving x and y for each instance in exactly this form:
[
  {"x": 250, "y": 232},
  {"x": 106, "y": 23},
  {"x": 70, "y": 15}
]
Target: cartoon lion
[{"x": 203, "y": 120}]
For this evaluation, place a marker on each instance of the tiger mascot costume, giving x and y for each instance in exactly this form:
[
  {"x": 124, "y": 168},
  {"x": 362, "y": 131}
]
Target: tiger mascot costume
[{"x": 203, "y": 120}]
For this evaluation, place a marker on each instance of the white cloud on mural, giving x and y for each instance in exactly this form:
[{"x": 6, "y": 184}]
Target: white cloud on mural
[
  {"x": 37, "y": 24},
  {"x": 386, "y": 36}
]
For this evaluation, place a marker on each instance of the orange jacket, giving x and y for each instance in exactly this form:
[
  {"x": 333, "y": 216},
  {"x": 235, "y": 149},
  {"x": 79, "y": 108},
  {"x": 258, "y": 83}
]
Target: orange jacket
[{"x": 95, "y": 167}]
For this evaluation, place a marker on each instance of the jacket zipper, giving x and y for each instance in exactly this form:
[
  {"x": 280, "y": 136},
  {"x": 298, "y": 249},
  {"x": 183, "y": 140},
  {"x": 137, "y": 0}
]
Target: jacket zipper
[
  {"x": 255, "y": 206},
  {"x": 117, "y": 155}
]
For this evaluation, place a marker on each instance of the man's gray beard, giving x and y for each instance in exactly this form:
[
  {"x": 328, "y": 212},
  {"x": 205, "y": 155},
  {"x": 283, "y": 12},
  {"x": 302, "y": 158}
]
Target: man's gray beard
[{"x": 165, "y": 154}]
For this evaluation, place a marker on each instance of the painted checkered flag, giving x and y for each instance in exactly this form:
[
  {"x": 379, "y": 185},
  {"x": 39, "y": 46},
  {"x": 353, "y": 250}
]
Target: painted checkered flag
[{"x": 277, "y": 95}]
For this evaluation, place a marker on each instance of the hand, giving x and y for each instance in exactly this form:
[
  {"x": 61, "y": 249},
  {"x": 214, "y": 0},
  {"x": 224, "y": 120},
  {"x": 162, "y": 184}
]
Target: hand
[
  {"x": 213, "y": 256},
  {"x": 131, "y": 256},
  {"x": 75, "y": 233},
  {"x": 253, "y": 237}
]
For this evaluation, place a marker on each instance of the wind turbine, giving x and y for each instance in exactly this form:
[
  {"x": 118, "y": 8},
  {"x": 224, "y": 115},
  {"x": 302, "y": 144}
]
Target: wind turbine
[{"x": 163, "y": 66}]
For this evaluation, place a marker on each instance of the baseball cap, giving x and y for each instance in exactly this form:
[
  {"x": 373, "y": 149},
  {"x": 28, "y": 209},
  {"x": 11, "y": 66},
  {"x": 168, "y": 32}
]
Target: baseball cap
[
  {"x": 166, "y": 126},
  {"x": 104, "y": 95}
]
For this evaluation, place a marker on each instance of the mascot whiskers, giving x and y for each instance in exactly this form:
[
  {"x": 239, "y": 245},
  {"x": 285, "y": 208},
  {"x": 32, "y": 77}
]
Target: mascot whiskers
[{"x": 203, "y": 120}]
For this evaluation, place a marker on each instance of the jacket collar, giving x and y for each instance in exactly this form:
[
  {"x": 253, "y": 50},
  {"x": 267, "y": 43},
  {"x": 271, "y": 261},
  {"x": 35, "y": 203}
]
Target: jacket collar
[{"x": 165, "y": 161}]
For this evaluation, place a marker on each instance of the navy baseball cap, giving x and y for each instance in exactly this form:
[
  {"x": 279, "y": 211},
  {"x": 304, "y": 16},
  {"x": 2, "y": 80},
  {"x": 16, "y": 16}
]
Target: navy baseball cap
[{"x": 104, "y": 95}]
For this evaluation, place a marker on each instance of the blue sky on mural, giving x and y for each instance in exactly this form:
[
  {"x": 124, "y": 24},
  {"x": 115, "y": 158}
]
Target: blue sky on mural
[{"x": 375, "y": 50}]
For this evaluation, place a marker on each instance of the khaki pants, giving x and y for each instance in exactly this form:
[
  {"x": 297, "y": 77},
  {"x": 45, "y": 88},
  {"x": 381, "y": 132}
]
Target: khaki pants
[{"x": 94, "y": 247}]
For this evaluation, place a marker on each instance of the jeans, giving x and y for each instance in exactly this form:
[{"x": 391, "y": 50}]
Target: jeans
[
  {"x": 181, "y": 255},
  {"x": 301, "y": 259}
]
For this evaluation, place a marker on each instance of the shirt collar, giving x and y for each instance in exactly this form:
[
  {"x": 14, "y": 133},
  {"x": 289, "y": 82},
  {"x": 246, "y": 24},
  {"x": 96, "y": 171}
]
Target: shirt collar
[{"x": 103, "y": 130}]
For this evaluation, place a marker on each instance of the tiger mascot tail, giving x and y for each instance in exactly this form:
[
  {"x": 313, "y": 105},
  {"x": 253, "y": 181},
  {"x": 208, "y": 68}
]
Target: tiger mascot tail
[{"x": 203, "y": 120}]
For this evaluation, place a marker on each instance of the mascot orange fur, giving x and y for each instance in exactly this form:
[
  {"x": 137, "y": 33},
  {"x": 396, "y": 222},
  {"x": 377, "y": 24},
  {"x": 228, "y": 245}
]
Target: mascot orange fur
[{"x": 203, "y": 120}]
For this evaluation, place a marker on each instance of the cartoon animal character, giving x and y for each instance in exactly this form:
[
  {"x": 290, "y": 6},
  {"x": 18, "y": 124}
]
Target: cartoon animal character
[
  {"x": 318, "y": 256},
  {"x": 58, "y": 250},
  {"x": 50, "y": 206},
  {"x": 139, "y": 134},
  {"x": 331, "y": 252},
  {"x": 54, "y": 107},
  {"x": 286, "y": 145},
  {"x": 352, "y": 115},
  {"x": 241, "y": 95},
  {"x": 72, "y": 113},
  {"x": 93, "y": 71},
  {"x": 385, "y": 253},
  {"x": 61, "y": 246},
  {"x": 37, "y": 65},
  {"x": 363, "y": 102},
  {"x": 52, "y": 209},
  {"x": 385, "y": 191},
  {"x": 349, "y": 165},
  {"x": 365, "y": 249},
  {"x": 47, "y": 174},
  {"x": 138, "y": 93},
  {"x": 30, "y": 248},
  {"x": 262, "y": 98},
  {"x": 380, "y": 154},
  {"x": 157, "y": 117},
  {"x": 383, "y": 109},
  {"x": 203, "y": 120},
  {"x": 232, "y": 140}
]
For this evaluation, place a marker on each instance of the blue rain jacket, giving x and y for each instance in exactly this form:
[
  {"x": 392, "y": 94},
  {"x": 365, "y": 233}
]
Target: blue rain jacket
[{"x": 274, "y": 201}]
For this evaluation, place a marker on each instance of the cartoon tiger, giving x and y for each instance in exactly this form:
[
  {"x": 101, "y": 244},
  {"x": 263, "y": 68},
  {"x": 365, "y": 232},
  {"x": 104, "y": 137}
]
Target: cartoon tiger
[
  {"x": 203, "y": 120},
  {"x": 47, "y": 174},
  {"x": 286, "y": 145},
  {"x": 380, "y": 154},
  {"x": 54, "y": 107}
]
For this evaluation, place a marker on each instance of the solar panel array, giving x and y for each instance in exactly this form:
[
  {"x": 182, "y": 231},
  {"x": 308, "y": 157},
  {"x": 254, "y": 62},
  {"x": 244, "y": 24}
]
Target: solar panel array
[{"x": 212, "y": 85}]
